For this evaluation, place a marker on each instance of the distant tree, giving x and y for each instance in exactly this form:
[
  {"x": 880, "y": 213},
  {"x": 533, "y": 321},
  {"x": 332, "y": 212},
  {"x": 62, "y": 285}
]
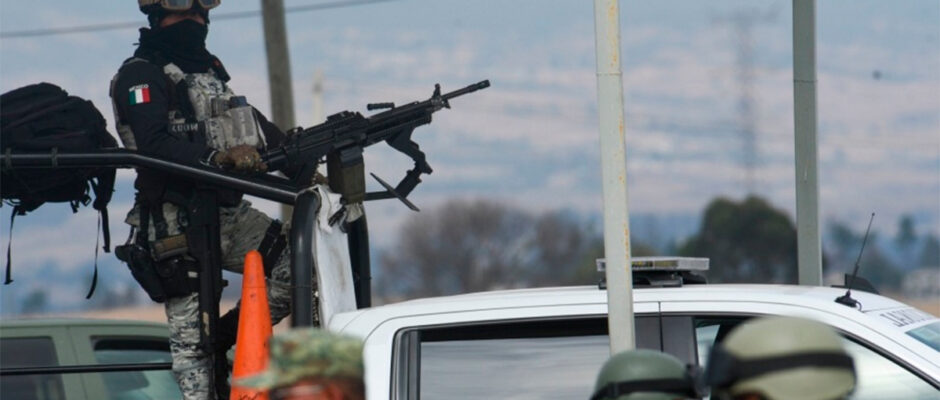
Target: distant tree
[
  {"x": 35, "y": 302},
  {"x": 642, "y": 249},
  {"x": 130, "y": 297},
  {"x": 907, "y": 235},
  {"x": 468, "y": 246},
  {"x": 559, "y": 244},
  {"x": 750, "y": 241},
  {"x": 109, "y": 297},
  {"x": 877, "y": 267},
  {"x": 842, "y": 249},
  {"x": 842, "y": 236},
  {"x": 930, "y": 255},
  {"x": 587, "y": 273},
  {"x": 906, "y": 242}
]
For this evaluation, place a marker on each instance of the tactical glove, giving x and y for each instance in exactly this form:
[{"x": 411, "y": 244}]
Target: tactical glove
[{"x": 241, "y": 158}]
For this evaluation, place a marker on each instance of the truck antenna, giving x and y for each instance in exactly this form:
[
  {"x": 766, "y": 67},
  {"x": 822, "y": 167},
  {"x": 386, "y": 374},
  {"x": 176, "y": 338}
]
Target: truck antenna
[{"x": 847, "y": 299}]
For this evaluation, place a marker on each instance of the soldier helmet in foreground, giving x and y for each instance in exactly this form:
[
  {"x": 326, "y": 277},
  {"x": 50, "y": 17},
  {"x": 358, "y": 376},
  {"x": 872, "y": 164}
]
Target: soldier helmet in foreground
[
  {"x": 646, "y": 375},
  {"x": 781, "y": 358},
  {"x": 308, "y": 354}
]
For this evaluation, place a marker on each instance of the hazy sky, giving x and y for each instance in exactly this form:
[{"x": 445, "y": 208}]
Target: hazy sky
[{"x": 531, "y": 139}]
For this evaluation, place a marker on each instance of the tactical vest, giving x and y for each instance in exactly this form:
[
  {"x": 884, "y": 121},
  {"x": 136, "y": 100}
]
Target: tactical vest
[{"x": 205, "y": 110}]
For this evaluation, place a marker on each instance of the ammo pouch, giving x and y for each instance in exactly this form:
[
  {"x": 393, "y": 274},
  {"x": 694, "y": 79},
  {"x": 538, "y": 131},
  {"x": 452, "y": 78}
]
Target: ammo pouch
[
  {"x": 174, "y": 275},
  {"x": 140, "y": 263},
  {"x": 178, "y": 276},
  {"x": 232, "y": 123}
]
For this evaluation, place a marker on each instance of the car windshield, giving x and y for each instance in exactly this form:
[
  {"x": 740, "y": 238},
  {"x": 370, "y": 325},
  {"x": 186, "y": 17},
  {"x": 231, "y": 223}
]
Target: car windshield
[{"x": 928, "y": 334}]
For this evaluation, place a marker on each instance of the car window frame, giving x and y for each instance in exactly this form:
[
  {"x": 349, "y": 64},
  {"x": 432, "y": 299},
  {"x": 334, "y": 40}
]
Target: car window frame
[
  {"x": 406, "y": 358},
  {"x": 59, "y": 336},
  {"x": 83, "y": 341}
]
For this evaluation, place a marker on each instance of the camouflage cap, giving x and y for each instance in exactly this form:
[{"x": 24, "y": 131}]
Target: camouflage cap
[{"x": 308, "y": 353}]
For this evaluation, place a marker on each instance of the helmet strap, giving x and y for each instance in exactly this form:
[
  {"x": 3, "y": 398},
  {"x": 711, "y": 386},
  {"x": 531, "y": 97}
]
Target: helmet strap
[
  {"x": 613, "y": 390},
  {"x": 733, "y": 369}
]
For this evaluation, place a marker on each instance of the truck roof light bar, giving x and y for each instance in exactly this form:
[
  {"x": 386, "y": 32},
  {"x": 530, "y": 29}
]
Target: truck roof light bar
[
  {"x": 662, "y": 271},
  {"x": 640, "y": 264}
]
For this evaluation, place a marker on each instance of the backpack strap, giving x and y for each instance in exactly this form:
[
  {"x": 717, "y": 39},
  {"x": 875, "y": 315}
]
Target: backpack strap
[
  {"x": 9, "y": 275},
  {"x": 103, "y": 190},
  {"x": 94, "y": 277}
]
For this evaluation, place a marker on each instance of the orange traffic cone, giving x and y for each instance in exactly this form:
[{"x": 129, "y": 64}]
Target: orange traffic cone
[{"x": 254, "y": 329}]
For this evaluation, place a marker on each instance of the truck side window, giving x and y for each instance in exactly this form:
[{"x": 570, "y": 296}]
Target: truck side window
[
  {"x": 881, "y": 378},
  {"x": 136, "y": 384},
  {"x": 548, "y": 359},
  {"x": 30, "y": 352},
  {"x": 878, "y": 376}
]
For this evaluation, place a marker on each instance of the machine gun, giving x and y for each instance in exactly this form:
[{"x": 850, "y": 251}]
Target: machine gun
[{"x": 341, "y": 139}]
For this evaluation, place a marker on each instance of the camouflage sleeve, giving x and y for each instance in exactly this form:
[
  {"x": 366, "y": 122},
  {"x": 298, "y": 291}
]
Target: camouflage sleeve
[{"x": 142, "y": 96}]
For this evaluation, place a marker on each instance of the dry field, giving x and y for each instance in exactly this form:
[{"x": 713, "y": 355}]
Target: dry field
[{"x": 930, "y": 306}]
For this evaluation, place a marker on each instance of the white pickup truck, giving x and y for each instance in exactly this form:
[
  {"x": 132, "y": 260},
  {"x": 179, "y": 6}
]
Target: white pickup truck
[{"x": 550, "y": 343}]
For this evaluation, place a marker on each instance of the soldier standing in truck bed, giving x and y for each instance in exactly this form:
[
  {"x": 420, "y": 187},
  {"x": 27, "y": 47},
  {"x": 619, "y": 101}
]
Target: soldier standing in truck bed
[{"x": 172, "y": 100}]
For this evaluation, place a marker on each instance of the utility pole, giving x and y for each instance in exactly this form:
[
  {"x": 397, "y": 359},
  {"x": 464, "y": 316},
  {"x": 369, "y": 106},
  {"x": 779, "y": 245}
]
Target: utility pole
[
  {"x": 318, "y": 116},
  {"x": 809, "y": 253},
  {"x": 614, "y": 176},
  {"x": 279, "y": 78}
]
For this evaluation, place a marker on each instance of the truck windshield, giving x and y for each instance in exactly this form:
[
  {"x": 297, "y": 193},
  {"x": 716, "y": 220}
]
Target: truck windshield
[{"x": 928, "y": 334}]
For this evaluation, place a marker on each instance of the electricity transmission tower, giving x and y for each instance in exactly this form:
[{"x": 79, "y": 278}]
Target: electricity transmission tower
[{"x": 743, "y": 24}]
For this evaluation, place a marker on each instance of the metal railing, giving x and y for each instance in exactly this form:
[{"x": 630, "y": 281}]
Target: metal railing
[
  {"x": 84, "y": 369},
  {"x": 303, "y": 223}
]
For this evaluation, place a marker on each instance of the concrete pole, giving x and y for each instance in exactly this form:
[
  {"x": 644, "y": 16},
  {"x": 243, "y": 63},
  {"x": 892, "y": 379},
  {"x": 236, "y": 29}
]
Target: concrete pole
[
  {"x": 614, "y": 172},
  {"x": 809, "y": 252},
  {"x": 279, "y": 78}
]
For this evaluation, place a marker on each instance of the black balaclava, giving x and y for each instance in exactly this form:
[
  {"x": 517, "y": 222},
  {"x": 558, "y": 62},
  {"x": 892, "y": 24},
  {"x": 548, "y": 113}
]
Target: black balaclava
[{"x": 182, "y": 43}]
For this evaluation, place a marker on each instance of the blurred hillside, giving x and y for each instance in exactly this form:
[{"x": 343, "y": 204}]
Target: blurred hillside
[{"x": 477, "y": 245}]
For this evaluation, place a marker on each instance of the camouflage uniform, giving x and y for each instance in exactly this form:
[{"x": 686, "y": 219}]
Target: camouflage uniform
[
  {"x": 308, "y": 353},
  {"x": 224, "y": 125},
  {"x": 242, "y": 229},
  {"x": 214, "y": 118}
]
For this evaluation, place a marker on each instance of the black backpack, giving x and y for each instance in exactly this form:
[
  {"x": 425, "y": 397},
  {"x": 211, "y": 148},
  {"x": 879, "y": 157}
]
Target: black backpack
[{"x": 43, "y": 118}]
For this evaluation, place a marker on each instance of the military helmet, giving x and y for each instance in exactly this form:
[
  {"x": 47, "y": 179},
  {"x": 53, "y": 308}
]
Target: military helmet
[
  {"x": 157, "y": 9},
  {"x": 148, "y": 6},
  {"x": 646, "y": 375},
  {"x": 781, "y": 358},
  {"x": 308, "y": 353}
]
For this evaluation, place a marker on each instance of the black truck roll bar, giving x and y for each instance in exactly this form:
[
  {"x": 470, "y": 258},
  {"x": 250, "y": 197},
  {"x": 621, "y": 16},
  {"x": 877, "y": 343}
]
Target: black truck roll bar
[
  {"x": 269, "y": 187},
  {"x": 303, "y": 223}
]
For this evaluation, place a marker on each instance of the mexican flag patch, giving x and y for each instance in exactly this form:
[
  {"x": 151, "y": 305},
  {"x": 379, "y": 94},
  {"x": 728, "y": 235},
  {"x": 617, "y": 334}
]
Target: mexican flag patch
[{"x": 140, "y": 94}]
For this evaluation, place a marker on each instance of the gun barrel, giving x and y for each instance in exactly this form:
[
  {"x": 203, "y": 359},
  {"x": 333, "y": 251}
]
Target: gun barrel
[{"x": 469, "y": 89}]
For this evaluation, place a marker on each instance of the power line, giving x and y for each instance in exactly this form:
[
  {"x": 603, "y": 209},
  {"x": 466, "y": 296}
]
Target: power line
[{"x": 215, "y": 17}]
